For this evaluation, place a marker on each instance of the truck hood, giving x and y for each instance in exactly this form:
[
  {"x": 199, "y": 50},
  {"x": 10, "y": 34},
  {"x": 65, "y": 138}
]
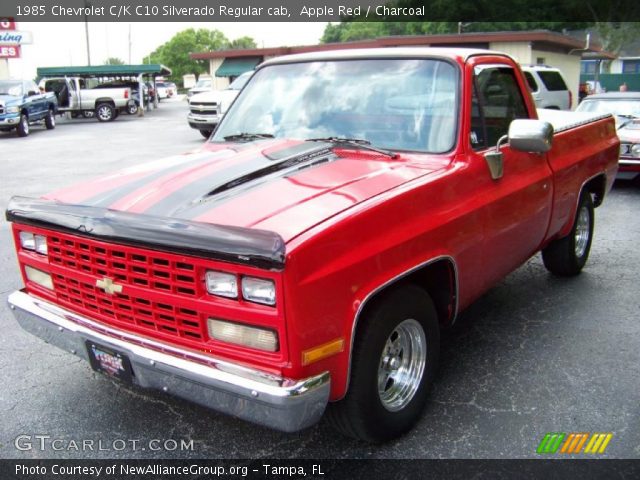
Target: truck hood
[
  {"x": 278, "y": 185},
  {"x": 9, "y": 99},
  {"x": 224, "y": 97}
]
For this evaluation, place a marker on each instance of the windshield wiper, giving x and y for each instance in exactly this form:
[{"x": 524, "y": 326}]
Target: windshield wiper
[
  {"x": 354, "y": 142},
  {"x": 247, "y": 136}
]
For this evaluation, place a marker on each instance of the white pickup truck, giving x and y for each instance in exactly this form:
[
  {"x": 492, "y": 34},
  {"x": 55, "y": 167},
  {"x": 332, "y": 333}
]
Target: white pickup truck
[
  {"x": 207, "y": 108},
  {"x": 74, "y": 96}
]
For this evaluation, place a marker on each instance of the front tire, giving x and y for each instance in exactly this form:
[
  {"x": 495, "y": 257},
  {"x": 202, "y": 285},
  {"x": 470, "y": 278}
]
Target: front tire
[
  {"x": 50, "y": 120},
  {"x": 105, "y": 112},
  {"x": 206, "y": 133},
  {"x": 567, "y": 256},
  {"x": 395, "y": 357},
  {"x": 23, "y": 126},
  {"x": 132, "y": 109}
]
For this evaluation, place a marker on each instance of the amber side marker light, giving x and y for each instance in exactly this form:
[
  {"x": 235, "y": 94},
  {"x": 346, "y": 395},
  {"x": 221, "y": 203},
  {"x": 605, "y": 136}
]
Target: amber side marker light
[{"x": 322, "y": 351}]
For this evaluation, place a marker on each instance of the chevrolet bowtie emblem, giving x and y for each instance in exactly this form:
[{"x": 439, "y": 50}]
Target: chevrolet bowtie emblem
[{"x": 108, "y": 286}]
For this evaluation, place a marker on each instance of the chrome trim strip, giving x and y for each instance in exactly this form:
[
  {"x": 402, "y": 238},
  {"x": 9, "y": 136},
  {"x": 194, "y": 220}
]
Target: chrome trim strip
[
  {"x": 391, "y": 281},
  {"x": 629, "y": 161},
  {"x": 277, "y": 402}
]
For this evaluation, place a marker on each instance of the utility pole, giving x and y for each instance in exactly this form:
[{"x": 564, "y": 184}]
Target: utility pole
[
  {"x": 86, "y": 31},
  {"x": 129, "y": 44}
]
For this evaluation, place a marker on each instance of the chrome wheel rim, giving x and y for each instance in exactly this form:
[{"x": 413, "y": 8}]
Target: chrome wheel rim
[
  {"x": 402, "y": 365},
  {"x": 583, "y": 224},
  {"x": 25, "y": 125},
  {"x": 104, "y": 113},
  {"x": 52, "y": 118}
]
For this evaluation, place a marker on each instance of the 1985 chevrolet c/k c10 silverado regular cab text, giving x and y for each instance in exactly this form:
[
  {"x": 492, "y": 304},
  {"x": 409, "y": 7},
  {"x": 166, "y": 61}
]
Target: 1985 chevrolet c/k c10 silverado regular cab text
[{"x": 349, "y": 205}]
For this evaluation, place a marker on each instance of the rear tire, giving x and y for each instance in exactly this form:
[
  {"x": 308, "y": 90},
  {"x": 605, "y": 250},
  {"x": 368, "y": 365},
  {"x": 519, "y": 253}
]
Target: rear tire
[
  {"x": 206, "y": 133},
  {"x": 23, "y": 126},
  {"x": 50, "y": 120},
  {"x": 132, "y": 109},
  {"x": 566, "y": 256},
  {"x": 105, "y": 112},
  {"x": 395, "y": 357}
]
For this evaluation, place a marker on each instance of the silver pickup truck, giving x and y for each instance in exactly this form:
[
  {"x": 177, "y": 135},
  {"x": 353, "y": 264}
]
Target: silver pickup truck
[{"x": 74, "y": 96}]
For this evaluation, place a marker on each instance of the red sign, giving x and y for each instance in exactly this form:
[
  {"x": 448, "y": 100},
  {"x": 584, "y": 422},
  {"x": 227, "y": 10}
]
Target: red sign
[
  {"x": 7, "y": 24},
  {"x": 9, "y": 51}
]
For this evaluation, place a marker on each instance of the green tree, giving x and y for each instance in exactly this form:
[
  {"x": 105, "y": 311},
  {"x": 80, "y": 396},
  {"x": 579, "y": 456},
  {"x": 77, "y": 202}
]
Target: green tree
[
  {"x": 242, "y": 42},
  {"x": 114, "y": 61},
  {"x": 175, "y": 53}
]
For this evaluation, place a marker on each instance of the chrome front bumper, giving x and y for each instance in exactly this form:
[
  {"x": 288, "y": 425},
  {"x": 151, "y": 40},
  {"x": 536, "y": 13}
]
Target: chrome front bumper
[{"x": 252, "y": 395}]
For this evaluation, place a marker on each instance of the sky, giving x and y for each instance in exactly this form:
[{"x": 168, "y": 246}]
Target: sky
[{"x": 63, "y": 43}]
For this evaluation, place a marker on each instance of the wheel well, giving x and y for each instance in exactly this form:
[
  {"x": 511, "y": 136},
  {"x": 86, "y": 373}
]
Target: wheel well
[
  {"x": 105, "y": 100},
  {"x": 24, "y": 112},
  {"x": 438, "y": 278},
  {"x": 597, "y": 187}
]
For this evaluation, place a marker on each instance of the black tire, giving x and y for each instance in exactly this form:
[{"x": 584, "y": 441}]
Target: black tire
[
  {"x": 206, "y": 133},
  {"x": 105, "y": 112},
  {"x": 50, "y": 120},
  {"x": 132, "y": 109},
  {"x": 566, "y": 256},
  {"x": 372, "y": 409},
  {"x": 23, "y": 126}
]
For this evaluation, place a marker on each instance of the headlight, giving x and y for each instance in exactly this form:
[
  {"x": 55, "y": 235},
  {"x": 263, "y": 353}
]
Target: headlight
[
  {"x": 259, "y": 290},
  {"x": 222, "y": 284},
  {"x": 38, "y": 276},
  {"x": 635, "y": 150},
  {"x": 36, "y": 243},
  {"x": 13, "y": 109},
  {"x": 252, "y": 337}
]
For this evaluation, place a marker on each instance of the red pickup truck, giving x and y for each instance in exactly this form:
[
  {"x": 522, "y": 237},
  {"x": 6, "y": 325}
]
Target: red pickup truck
[{"x": 349, "y": 205}]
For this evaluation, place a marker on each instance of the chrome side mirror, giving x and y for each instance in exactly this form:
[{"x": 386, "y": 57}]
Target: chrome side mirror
[{"x": 533, "y": 136}]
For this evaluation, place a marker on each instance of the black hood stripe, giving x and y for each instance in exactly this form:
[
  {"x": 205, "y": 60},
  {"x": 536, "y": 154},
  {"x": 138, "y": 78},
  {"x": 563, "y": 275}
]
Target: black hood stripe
[{"x": 182, "y": 201}]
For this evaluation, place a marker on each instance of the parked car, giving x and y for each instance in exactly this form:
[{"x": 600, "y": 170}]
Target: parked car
[
  {"x": 349, "y": 205},
  {"x": 548, "y": 87},
  {"x": 203, "y": 85},
  {"x": 74, "y": 96},
  {"x": 164, "y": 90},
  {"x": 625, "y": 106},
  {"x": 131, "y": 108},
  {"x": 206, "y": 109},
  {"x": 172, "y": 89},
  {"x": 22, "y": 105}
]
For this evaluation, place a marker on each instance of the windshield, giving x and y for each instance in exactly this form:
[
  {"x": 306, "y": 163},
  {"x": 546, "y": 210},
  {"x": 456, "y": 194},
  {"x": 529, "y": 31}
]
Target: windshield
[
  {"x": 397, "y": 104},
  {"x": 8, "y": 87},
  {"x": 630, "y": 107},
  {"x": 239, "y": 82},
  {"x": 203, "y": 84}
]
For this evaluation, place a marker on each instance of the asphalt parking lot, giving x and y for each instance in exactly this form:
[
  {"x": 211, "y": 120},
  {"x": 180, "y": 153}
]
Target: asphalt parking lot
[{"x": 536, "y": 354}]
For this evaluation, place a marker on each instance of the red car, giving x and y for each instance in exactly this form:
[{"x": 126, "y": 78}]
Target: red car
[{"x": 348, "y": 206}]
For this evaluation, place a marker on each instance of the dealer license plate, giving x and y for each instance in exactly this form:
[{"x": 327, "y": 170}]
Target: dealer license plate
[{"x": 109, "y": 361}]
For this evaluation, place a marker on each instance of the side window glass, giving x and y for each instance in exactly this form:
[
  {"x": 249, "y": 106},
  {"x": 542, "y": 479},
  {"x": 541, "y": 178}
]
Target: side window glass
[
  {"x": 500, "y": 100},
  {"x": 533, "y": 85}
]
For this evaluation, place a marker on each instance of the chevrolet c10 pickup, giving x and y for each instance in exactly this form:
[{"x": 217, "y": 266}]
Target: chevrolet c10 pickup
[{"x": 346, "y": 209}]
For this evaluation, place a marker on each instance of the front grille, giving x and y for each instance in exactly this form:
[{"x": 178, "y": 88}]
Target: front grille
[
  {"x": 204, "y": 107},
  {"x": 143, "y": 275}
]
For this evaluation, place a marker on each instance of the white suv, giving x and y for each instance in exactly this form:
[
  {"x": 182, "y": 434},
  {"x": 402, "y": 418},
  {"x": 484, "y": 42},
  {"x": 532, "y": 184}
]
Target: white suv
[{"x": 548, "y": 87}]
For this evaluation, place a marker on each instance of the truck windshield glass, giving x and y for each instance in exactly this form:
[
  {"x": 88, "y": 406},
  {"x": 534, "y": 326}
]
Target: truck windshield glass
[
  {"x": 396, "y": 104},
  {"x": 10, "y": 88}
]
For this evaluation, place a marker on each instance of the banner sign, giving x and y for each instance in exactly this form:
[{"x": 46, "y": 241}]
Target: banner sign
[{"x": 9, "y": 51}]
